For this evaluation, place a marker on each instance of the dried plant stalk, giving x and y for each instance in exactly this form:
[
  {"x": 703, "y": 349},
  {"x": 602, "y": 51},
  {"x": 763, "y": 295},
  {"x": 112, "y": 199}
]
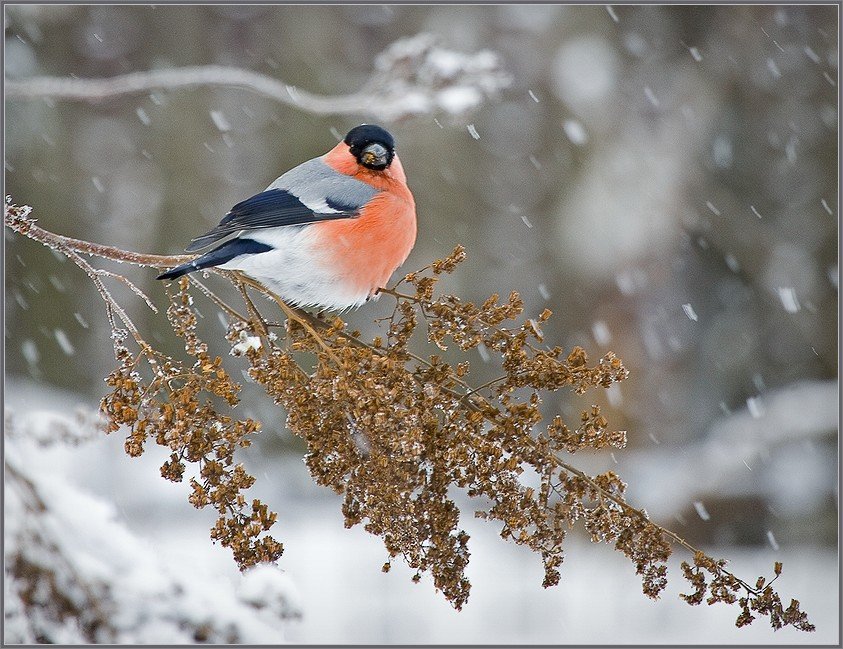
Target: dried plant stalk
[{"x": 396, "y": 433}]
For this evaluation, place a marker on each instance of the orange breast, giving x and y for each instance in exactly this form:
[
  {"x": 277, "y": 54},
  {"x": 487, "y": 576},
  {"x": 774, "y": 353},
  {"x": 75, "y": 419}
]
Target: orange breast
[{"x": 367, "y": 249}]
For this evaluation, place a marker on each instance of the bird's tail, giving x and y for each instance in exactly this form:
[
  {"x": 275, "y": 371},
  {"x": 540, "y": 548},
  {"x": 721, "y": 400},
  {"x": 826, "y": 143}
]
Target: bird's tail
[
  {"x": 178, "y": 271},
  {"x": 218, "y": 256}
]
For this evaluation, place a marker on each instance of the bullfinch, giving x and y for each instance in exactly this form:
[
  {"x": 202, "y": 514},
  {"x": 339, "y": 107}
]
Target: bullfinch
[{"x": 328, "y": 233}]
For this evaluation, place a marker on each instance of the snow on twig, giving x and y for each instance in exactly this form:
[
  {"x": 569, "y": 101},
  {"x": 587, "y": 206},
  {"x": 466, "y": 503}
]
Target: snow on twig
[{"x": 413, "y": 76}]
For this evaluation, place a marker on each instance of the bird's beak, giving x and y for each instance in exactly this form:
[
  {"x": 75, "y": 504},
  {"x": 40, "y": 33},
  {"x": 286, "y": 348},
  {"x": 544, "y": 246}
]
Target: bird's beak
[{"x": 375, "y": 155}]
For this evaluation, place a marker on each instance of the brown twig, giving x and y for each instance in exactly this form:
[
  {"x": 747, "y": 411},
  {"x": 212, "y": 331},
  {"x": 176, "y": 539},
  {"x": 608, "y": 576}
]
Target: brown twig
[{"x": 27, "y": 227}]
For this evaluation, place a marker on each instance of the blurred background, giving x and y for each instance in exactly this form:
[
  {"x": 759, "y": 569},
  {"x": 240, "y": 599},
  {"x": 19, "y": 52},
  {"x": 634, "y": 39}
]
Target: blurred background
[{"x": 664, "y": 179}]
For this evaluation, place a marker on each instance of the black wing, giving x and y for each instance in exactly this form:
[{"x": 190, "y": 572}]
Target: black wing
[{"x": 270, "y": 209}]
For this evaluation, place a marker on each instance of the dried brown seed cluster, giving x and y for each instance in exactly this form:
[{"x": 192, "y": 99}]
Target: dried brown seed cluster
[
  {"x": 722, "y": 586},
  {"x": 174, "y": 406},
  {"x": 397, "y": 433}
]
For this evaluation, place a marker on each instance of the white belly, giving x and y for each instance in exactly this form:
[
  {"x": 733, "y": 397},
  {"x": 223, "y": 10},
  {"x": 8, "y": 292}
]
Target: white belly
[{"x": 295, "y": 271}]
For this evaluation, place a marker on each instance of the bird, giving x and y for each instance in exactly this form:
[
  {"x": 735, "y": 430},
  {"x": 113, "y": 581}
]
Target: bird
[{"x": 327, "y": 234}]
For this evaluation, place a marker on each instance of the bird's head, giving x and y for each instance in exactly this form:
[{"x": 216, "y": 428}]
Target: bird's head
[{"x": 372, "y": 146}]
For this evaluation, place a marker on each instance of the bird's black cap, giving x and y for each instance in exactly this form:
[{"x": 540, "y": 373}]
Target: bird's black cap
[{"x": 365, "y": 135}]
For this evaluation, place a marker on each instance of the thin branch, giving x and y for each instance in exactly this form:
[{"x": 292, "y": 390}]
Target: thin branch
[
  {"x": 290, "y": 312},
  {"x": 216, "y": 299},
  {"x": 409, "y": 78},
  {"x": 111, "y": 304},
  {"x": 82, "y": 89},
  {"x": 132, "y": 286},
  {"x": 27, "y": 227}
]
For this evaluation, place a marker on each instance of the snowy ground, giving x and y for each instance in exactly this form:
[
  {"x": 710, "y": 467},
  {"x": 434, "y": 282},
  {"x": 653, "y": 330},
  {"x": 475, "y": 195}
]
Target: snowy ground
[
  {"x": 345, "y": 598},
  {"x": 336, "y": 582}
]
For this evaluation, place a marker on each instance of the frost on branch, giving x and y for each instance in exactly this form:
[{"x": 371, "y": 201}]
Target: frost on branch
[{"x": 397, "y": 434}]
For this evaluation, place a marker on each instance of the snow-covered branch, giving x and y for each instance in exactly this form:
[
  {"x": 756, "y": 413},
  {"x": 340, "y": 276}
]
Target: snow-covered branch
[{"x": 412, "y": 76}]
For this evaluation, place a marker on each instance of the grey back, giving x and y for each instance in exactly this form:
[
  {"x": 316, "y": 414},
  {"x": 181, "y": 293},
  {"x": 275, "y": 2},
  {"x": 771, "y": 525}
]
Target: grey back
[{"x": 324, "y": 190}]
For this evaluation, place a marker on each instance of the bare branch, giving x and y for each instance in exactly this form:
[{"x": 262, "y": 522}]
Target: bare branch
[
  {"x": 413, "y": 76},
  {"x": 131, "y": 285},
  {"x": 170, "y": 79},
  {"x": 17, "y": 218}
]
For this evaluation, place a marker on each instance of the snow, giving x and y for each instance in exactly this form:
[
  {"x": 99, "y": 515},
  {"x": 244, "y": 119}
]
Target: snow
[
  {"x": 721, "y": 151},
  {"x": 57, "y": 284},
  {"x": 755, "y": 407},
  {"x": 459, "y": 99},
  {"x": 617, "y": 207},
  {"x": 143, "y": 116},
  {"x": 788, "y": 298},
  {"x": 220, "y": 121},
  {"x": 246, "y": 343},
  {"x": 635, "y": 44},
  {"x": 30, "y": 351},
  {"x": 713, "y": 209},
  {"x": 615, "y": 398},
  {"x": 689, "y": 311},
  {"x": 473, "y": 131},
  {"x": 64, "y": 342},
  {"x": 575, "y": 131},
  {"x": 790, "y": 149},
  {"x": 811, "y": 54},
  {"x": 484, "y": 353},
  {"x": 826, "y": 207},
  {"x": 702, "y": 512},
  {"x": 732, "y": 262},
  {"x": 420, "y": 76},
  {"x": 601, "y": 333},
  {"x": 133, "y": 592},
  {"x": 328, "y": 570},
  {"x": 265, "y": 587},
  {"x": 584, "y": 73},
  {"x": 542, "y": 288},
  {"x": 446, "y": 62}
]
